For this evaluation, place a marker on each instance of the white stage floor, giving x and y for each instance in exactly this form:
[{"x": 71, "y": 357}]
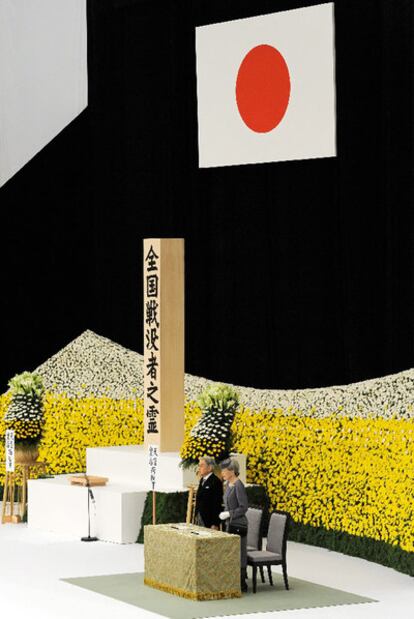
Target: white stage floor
[{"x": 31, "y": 564}]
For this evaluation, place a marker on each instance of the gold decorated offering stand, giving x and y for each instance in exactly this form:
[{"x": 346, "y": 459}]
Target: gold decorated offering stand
[{"x": 192, "y": 562}]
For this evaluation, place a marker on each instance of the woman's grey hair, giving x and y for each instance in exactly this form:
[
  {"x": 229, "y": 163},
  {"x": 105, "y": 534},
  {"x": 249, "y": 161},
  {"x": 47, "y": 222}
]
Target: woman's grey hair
[
  {"x": 231, "y": 465},
  {"x": 209, "y": 461}
]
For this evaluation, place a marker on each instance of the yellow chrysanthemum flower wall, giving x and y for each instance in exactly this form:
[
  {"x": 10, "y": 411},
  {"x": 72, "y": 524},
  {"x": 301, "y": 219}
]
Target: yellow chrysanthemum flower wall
[{"x": 343, "y": 473}]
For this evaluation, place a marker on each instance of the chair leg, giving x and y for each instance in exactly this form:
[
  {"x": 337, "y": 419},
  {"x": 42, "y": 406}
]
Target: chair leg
[
  {"x": 262, "y": 573},
  {"x": 269, "y": 571},
  {"x": 254, "y": 578},
  {"x": 285, "y": 576}
]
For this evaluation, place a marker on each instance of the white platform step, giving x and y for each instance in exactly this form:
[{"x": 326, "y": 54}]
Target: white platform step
[
  {"x": 57, "y": 506},
  {"x": 129, "y": 464}
]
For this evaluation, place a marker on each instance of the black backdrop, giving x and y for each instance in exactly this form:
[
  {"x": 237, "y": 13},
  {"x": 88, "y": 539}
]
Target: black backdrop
[{"x": 297, "y": 274}]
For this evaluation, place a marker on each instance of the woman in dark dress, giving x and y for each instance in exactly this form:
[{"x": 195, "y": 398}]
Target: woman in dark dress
[{"x": 235, "y": 508}]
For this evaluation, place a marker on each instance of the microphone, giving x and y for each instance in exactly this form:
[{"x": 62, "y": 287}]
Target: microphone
[{"x": 91, "y": 497}]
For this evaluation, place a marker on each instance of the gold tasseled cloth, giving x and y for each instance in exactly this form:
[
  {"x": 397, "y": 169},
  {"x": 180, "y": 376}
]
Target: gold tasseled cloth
[
  {"x": 220, "y": 595},
  {"x": 192, "y": 562}
]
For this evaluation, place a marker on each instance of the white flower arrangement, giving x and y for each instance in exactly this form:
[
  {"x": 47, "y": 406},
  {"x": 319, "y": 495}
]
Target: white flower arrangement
[
  {"x": 26, "y": 402},
  {"x": 24, "y": 413}
]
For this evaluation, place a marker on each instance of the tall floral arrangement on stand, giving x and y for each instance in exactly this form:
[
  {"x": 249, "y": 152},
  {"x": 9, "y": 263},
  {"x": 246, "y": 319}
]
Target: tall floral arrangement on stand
[
  {"x": 24, "y": 414},
  {"x": 211, "y": 435}
]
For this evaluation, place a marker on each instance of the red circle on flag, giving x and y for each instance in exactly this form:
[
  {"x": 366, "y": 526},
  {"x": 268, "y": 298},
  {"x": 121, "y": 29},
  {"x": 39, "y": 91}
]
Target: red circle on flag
[{"x": 263, "y": 88}]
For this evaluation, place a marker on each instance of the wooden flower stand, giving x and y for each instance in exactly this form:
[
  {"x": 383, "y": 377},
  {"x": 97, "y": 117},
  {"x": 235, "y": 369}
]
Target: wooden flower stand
[{"x": 22, "y": 473}]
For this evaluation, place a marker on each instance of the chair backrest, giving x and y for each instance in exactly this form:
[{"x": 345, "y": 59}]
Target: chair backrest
[
  {"x": 254, "y": 521},
  {"x": 277, "y": 533}
]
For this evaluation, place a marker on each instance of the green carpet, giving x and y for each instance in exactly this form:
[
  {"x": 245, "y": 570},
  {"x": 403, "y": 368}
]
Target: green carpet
[{"x": 130, "y": 588}]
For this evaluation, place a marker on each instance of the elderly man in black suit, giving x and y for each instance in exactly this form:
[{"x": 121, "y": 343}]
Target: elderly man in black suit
[{"x": 209, "y": 499}]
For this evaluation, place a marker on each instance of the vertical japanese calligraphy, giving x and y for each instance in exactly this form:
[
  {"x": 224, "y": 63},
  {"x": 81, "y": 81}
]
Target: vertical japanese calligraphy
[
  {"x": 152, "y": 337},
  {"x": 9, "y": 446},
  {"x": 152, "y": 461}
]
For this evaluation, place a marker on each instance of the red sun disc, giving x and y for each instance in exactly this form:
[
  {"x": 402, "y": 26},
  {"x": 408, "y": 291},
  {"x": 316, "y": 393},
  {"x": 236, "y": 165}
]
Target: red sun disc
[{"x": 263, "y": 88}]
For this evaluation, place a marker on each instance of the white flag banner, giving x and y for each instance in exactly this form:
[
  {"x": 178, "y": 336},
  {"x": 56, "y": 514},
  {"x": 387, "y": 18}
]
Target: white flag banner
[
  {"x": 9, "y": 448},
  {"x": 153, "y": 451},
  {"x": 43, "y": 75},
  {"x": 266, "y": 88}
]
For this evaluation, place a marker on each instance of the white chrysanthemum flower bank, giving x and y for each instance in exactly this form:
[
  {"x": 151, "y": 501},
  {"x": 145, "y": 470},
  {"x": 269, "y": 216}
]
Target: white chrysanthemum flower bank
[{"x": 92, "y": 365}]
